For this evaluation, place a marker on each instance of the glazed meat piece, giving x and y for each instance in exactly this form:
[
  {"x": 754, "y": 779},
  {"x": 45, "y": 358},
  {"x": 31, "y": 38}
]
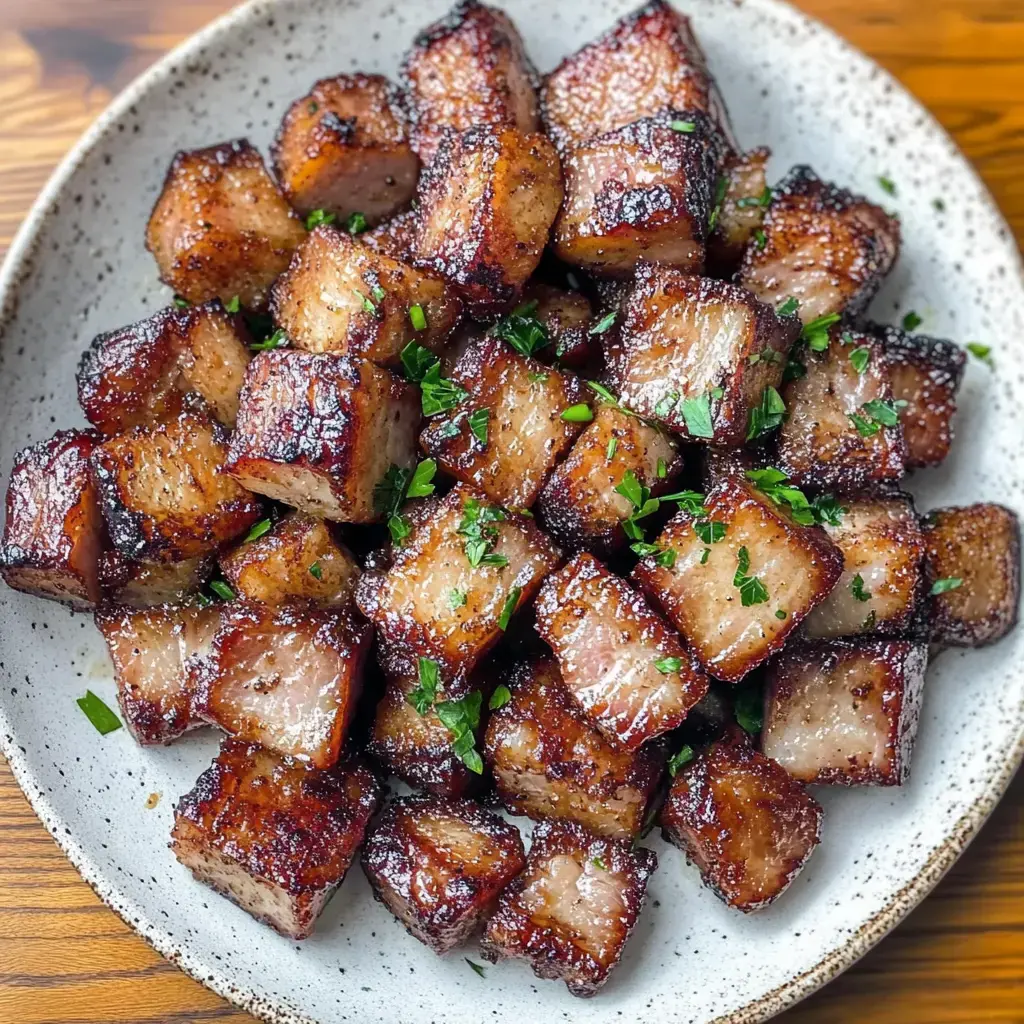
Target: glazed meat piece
[
  {"x": 155, "y": 369},
  {"x": 508, "y": 434},
  {"x": 972, "y": 569},
  {"x": 273, "y": 834},
  {"x": 580, "y": 506},
  {"x": 395, "y": 237},
  {"x": 298, "y": 558},
  {"x": 320, "y": 431},
  {"x": 469, "y": 69},
  {"x": 620, "y": 661},
  {"x": 842, "y": 429},
  {"x": 741, "y": 211},
  {"x": 745, "y": 575},
  {"x": 54, "y": 530},
  {"x": 571, "y": 911},
  {"x": 699, "y": 354},
  {"x": 132, "y": 584},
  {"x": 345, "y": 149},
  {"x": 221, "y": 228},
  {"x": 548, "y": 761},
  {"x": 567, "y": 318},
  {"x": 438, "y": 865},
  {"x": 882, "y": 548},
  {"x": 845, "y": 714},
  {"x": 341, "y": 296},
  {"x": 288, "y": 677},
  {"x": 164, "y": 495},
  {"x": 155, "y": 653},
  {"x": 747, "y": 825},
  {"x": 486, "y": 207},
  {"x": 823, "y": 246}
]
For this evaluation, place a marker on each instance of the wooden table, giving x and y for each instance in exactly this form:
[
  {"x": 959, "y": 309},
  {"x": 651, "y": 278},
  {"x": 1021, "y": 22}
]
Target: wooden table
[{"x": 64, "y": 957}]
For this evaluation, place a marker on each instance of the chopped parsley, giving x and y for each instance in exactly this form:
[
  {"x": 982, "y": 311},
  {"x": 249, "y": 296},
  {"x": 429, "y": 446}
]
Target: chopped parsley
[
  {"x": 704, "y": 555},
  {"x": 688, "y": 501},
  {"x": 422, "y": 697},
  {"x": 399, "y": 528},
  {"x": 946, "y": 584},
  {"x": 768, "y": 415},
  {"x": 860, "y": 357},
  {"x": 780, "y": 613},
  {"x": 676, "y": 761},
  {"x": 609, "y": 452},
  {"x": 794, "y": 370},
  {"x": 662, "y": 469},
  {"x": 476, "y": 967},
  {"x": 258, "y": 530},
  {"x": 668, "y": 664},
  {"x": 417, "y": 360},
  {"x": 604, "y": 324},
  {"x": 222, "y": 589},
  {"x": 640, "y": 498},
  {"x": 181, "y": 302},
  {"x": 234, "y": 306},
  {"x": 368, "y": 304},
  {"x": 685, "y": 127},
  {"x": 276, "y": 340},
  {"x": 461, "y": 718},
  {"x": 982, "y": 352},
  {"x": 788, "y": 308},
  {"x": 710, "y": 531},
  {"x": 102, "y": 718},
  {"x": 316, "y": 571},
  {"x": 748, "y": 707},
  {"x": 773, "y": 483},
  {"x": 318, "y": 217},
  {"x": 764, "y": 199},
  {"x": 356, "y": 223},
  {"x": 599, "y": 863},
  {"x": 697, "y": 414},
  {"x": 478, "y": 527},
  {"x": 876, "y": 414},
  {"x": 421, "y": 485},
  {"x": 816, "y": 332},
  {"x": 887, "y": 185},
  {"x": 579, "y": 413},
  {"x": 439, "y": 394},
  {"x": 721, "y": 189},
  {"x": 912, "y": 321},
  {"x": 760, "y": 239},
  {"x": 501, "y": 696},
  {"x": 417, "y": 318},
  {"x": 509, "y": 607},
  {"x": 522, "y": 330},
  {"x": 752, "y": 590},
  {"x": 456, "y": 598},
  {"x": 857, "y": 588},
  {"x": 478, "y": 421}
]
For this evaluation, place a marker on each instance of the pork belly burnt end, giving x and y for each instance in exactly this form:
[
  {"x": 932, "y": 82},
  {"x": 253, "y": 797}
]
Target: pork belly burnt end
[
  {"x": 319, "y": 432},
  {"x": 486, "y": 206},
  {"x": 980, "y": 546},
  {"x": 620, "y": 661},
  {"x": 571, "y": 911},
  {"x": 469, "y": 69},
  {"x": 345, "y": 149},
  {"x": 741, "y": 212},
  {"x": 522, "y": 402},
  {"x": 54, "y": 530},
  {"x": 154, "y": 653},
  {"x": 737, "y": 598},
  {"x": 823, "y": 246},
  {"x": 567, "y": 318},
  {"x": 845, "y": 714},
  {"x": 272, "y": 834},
  {"x": 548, "y": 760},
  {"x": 287, "y": 677},
  {"x": 341, "y": 296},
  {"x": 163, "y": 494},
  {"x": 880, "y": 587},
  {"x": 132, "y": 584},
  {"x": 221, "y": 228},
  {"x": 685, "y": 337},
  {"x": 439, "y": 864}
]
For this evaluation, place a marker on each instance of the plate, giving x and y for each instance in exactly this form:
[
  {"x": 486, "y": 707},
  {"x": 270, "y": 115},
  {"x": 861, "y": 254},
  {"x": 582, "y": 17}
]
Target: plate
[{"x": 78, "y": 267}]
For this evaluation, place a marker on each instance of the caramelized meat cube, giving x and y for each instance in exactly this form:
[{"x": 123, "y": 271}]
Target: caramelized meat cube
[
  {"x": 345, "y": 149},
  {"x": 522, "y": 436},
  {"x": 687, "y": 339},
  {"x": 486, "y": 206},
  {"x": 979, "y": 546},
  {"x": 845, "y": 714},
  {"x": 571, "y": 911},
  {"x": 620, "y": 661},
  {"x": 747, "y": 825},
  {"x": 823, "y": 246},
  {"x": 319, "y": 432},
  {"x": 745, "y": 575},
  {"x": 273, "y": 834},
  {"x": 395, "y": 237},
  {"x": 548, "y": 761},
  {"x": 221, "y": 228},
  {"x": 54, "y": 531},
  {"x": 741, "y": 211},
  {"x": 286, "y": 677},
  {"x": 341, "y": 296},
  {"x": 566, "y": 316},
  {"x": 131, "y": 584},
  {"x": 438, "y": 865}
]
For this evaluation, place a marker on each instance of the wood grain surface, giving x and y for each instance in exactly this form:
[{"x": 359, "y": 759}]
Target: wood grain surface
[{"x": 64, "y": 957}]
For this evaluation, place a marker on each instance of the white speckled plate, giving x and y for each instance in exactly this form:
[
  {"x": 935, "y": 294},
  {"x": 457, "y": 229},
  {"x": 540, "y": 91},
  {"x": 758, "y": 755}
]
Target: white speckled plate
[{"x": 78, "y": 267}]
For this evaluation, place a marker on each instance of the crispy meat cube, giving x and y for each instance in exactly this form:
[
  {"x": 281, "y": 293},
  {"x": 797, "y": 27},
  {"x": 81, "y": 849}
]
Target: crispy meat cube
[
  {"x": 469, "y": 69},
  {"x": 747, "y": 825},
  {"x": 741, "y": 212},
  {"x": 163, "y": 494},
  {"x": 438, "y": 865},
  {"x": 878, "y": 592},
  {"x": 287, "y": 677},
  {"x": 341, "y": 296},
  {"x": 221, "y": 228},
  {"x": 823, "y": 246},
  {"x": 736, "y": 609},
  {"x": 131, "y": 584},
  {"x": 567, "y": 317},
  {"x": 155, "y": 653},
  {"x": 395, "y": 237},
  {"x": 320, "y": 431},
  {"x": 435, "y": 602},
  {"x": 642, "y": 191},
  {"x": 843, "y": 713},
  {"x": 842, "y": 429},
  {"x": 580, "y": 506},
  {"x": 486, "y": 205},
  {"x": 620, "y": 661},
  {"x": 571, "y": 911},
  {"x": 548, "y": 761},
  {"x": 980, "y": 546},
  {"x": 345, "y": 149},
  {"x": 685, "y": 337},
  {"x": 273, "y": 834},
  {"x": 523, "y": 402},
  {"x": 54, "y": 531}
]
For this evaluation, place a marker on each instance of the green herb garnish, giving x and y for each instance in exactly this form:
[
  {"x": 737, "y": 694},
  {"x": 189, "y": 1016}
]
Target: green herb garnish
[
  {"x": 857, "y": 588},
  {"x": 752, "y": 590},
  {"x": 946, "y": 584},
  {"x": 318, "y": 217},
  {"x": 422, "y": 697},
  {"x": 509, "y": 607},
  {"x": 501, "y": 696},
  {"x": 258, "y": 530},
  {"x": 676, "y": 761},
  {"x": 102, "y": 718},
  {"x": 478, "y": 421}
]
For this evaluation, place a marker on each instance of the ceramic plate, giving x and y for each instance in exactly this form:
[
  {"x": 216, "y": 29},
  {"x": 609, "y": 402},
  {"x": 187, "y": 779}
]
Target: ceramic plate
[{"x": 78, "y": 267}]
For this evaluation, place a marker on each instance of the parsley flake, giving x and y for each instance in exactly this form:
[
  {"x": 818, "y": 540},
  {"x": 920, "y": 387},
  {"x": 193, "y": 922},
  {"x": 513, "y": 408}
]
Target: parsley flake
[
  {"x": 316, "y": 571},
  {"x": 815, "y": 333},
  {"x": 857, "y": 588},
  {"x": 422, "y": 697},
  {"x": 258, "y": 530},
  {"x": 318, "y": 217},
  {"x": 481, "y": 533},
  {"x": 522, "y": 330},
  {"x": 982, "y": 352},
  {"x": 788, "y": 308},
  {"x": 356, "y": 224},
  {"x": 604, "y": 324},
  {"x": 501, "y": 696},
  {"x": 946, "y": 584},
  {"x": 697, "y": 414},
  {"x": 860, "y": 357},
  {"x": 509, "y": 607},
  {"x": 752, "y": 590},
  {"x": 887, "y": 185},
  {"x": 461, "y": 718},
  {"x": 676, "y": 761},
  {"x": 478, "y": 421},
  {"x": 768, "y": 415},
  {"x": 579, "y": 413},
  {"x": 912, "y": 321},
  {"x": 668, "y": 664},
  {"x": 456, "y": 599},
  {"x": 684, "y": 127},
  {"x": 102, "y": 718}
]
